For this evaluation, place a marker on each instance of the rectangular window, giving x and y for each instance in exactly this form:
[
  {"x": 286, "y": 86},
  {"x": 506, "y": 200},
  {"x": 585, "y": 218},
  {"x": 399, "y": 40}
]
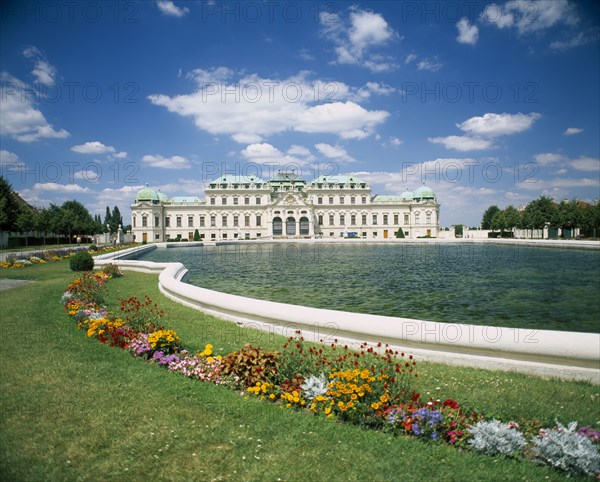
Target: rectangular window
[
  {"x": 417, "y": 220},
  {"x": 353, "y": 220},
  {"x": 224, "y": 220},
  {"x": 320, "y": 220},
  {"x": 144, "y": 221},
  {"x": 236, "y": 221},
  {"x": 364, "y": 219},
  {"x": 156, "y": 221},
  {"x": 202, "y": 221},
  {"x": 396, "y": 219},
  {"x": 331, "y": 223},
  {"x": 190, "y": 221},
  {"x": 213, "y": 236},
  {"x": 178, "y": 221},
  {"x": 342, "y": 219},
  {"x": 213, "y": 221},
  {"x": 385, "y": 219},
  {"x": 374, "y": 219},
  {"x": 246, "y": 200},
  {"x": 258, "y": 220},
  {"x": 223, "y": 200},
  {"x": 352, "y": 200},
  {"x": 235, "y": 200},
  {"x": 428, "y": 218},
  {"x": 247, "y": 221},
  {"x": 157, "y": 236},
  {"x": 342, "y": 199},
  {"x": 212, "y": 201},
  {"x": 167, "y": 222},
  {"x": 406, "y": 219},
  {"x": 257, "y": 200},
  {"x": 190, "y": 236},
  {"x": 330, "y": 199},
  {"x": 364, "y": 199},
  {"x": 319, "y": 200}
]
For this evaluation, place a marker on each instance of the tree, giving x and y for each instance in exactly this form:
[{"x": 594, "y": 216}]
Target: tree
[
  {"x": 26, "y": 221},
  {"x": 512, "y": 218},
  {"x": 75, "y": 219},
  {"x": 196, "y": 235},
  {"x": 116, "y": 220},
  {"x": 486, "y": 222},
  {"x": 107, "y": 219},
  {"x": 539, "y": 213},
  {"x": 9, "y": 207},
  {"x": 499, "y": 222},
  {"x": 458, "y": 231}
]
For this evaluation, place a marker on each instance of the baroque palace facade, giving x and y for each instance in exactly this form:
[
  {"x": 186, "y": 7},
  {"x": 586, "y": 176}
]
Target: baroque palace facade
[{"x": 247, "y": 207}]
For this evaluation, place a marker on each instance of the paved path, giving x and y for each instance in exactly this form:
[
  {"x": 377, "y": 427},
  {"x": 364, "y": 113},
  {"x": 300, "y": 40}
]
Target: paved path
[{"x": 6, "y": 284}]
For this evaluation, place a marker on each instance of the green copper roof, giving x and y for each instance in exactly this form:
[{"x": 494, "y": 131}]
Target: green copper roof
[
  {"x": 407, "y": 195},
  {"x": 147, "y": 194},
  {"x": 337, "y": 179},
  {"x": 385, "y": 198},
  {"x": 233, "y": 179},
  {"x": 424, "y": 192}
]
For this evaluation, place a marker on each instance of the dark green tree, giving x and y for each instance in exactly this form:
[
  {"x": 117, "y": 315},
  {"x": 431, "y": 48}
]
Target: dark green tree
[
  {"x": 116, "y": 220},
  {"x": 512, "y": 218},
  {"x": 107, "y": 220},
  {"x": 196, "y": 235},
  {"x": 76, "y": 219},
  {"x": 498, "y": 222},
  {"x": 26, "y": 222},
  {"x": 486, "y": 222},
  {"x": 458, "y": 231},
  {"x": 9, "y": 207},
  {"x": 400, "y": 233}
]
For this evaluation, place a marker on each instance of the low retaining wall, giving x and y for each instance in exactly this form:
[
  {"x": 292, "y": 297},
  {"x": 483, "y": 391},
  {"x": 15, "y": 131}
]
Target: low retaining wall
[{"x": 546, "y": 352}]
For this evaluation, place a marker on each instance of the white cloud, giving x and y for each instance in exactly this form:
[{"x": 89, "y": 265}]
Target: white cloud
[
  {"x": 43, "y": 71},
  {"x": 529, "y": 16},
  {"x": 462, "y": 143},
  {"x": 173, "y": 162},
  {"x": 355, "y": 40},
  {"x": 253, "y": 108},
  {"x": 571, "y": 131},
  {"x": 547, "y": 158},
  {"x": 120, "y": 155},
  {"x": 63, "y": 188},
  {"x": 582, "y": 38},
  {"x": 93, "y": 147},
  {"x": 432, "y": 65},
  {"x": 19, "y": 118},
  {"x": 410, "y": 58},
  {"x": 585, "y": 163},
  {"x": 9, "y": 161},
  {"x": 169, "y": 8},
  {"x": 304, "y": 54},
  {"x": 336, "y": 153},
  {"x": 301, "y": 151},
  {"x": 265, "y": 153},
  {"x": 493, "y": 125},
  {"x": 467, "y": 34},
  {"x": 395, "y": 141}
]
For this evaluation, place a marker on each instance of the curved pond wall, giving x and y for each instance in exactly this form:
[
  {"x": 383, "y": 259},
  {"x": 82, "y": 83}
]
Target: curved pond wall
[{"x": 553, "y": 353}]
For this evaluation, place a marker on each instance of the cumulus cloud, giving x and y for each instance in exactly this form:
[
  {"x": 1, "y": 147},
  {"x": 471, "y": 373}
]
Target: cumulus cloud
[
  {"x": 462, "y": 143},
  {"x": 93, "y": 147},
  {"x": 571, "y": 131},
  {"x": 19, "y": 117},
  {"x": 395, "y": 141},
  {"x": 252, "y": 108},
  {"x": 585, "y": 163},
  {"x": 169, "y": 8},
  {"x": 356, "y": 38},
  {"x": 173, "y": 162},
  {"x": 467, "y": 34},
  {"x": 335, "y": 153},
  {"x": 43, "y": 71},
  {"x": 581, "y": 38},
  {"x": 548, "y": 158},
  {"x": 493, "y": 125},
  {"x": 63, "y": 188},
  {"x": 433, "y": 65},
  {"x": 529, "y": 16},
  {"x": 264, "y": 153},
  {"x": 9, "y": 162}
]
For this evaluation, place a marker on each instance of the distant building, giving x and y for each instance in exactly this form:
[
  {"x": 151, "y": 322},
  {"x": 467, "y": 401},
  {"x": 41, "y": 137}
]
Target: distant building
[{"x": 247, "y": 207}]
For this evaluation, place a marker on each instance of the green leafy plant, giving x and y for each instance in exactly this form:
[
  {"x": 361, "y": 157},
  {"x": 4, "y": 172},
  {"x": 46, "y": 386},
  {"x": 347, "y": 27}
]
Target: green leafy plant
[
  {"x": 82, "y": 261},
  {"x": 251, "y": 364},
  {"x": 113, "y": 270}
]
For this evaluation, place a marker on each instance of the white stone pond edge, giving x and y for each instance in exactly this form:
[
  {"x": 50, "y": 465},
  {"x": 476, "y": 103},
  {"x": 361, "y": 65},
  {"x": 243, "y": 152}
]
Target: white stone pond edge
[{"x": 567, "y": 355}]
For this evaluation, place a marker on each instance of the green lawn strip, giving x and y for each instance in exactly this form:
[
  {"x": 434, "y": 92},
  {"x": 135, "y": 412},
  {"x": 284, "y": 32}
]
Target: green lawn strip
[{"x": 73, "y": 408}]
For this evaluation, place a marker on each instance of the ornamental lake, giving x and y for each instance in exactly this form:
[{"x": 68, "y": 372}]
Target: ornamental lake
[{"x": 513, "y": 286}]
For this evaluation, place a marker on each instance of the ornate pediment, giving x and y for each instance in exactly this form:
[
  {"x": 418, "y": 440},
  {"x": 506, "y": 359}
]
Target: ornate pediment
[{"x": 290, "y": 199}]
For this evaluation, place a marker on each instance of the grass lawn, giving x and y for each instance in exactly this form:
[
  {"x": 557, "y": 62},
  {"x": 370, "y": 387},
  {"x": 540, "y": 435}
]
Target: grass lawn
[{"x": 73, "y": 408}]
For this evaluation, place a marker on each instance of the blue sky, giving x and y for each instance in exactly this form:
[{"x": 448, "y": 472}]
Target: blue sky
[{"x": 486, "y": 103}]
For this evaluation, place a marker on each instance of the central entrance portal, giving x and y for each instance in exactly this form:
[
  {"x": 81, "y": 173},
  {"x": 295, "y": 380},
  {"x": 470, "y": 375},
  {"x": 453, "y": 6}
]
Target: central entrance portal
[{"x": 290, "y": 226}]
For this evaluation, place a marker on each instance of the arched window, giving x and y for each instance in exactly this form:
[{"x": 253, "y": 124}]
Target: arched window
[
  {"x": 290, "y": 226},
  {"x": 277, "y": 226},
  {"x": 304, "y": 226}
]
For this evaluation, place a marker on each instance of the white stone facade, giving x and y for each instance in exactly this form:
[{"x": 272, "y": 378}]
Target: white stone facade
[{"x": 246, "y": 207}]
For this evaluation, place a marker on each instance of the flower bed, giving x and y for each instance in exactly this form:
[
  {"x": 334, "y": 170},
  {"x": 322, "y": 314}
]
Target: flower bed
[{"x": 372, "y": 386}]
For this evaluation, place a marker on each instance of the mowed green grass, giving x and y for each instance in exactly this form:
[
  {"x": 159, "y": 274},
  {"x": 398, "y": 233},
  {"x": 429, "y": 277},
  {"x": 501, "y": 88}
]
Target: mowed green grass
[{"x": 74, "y": 409}]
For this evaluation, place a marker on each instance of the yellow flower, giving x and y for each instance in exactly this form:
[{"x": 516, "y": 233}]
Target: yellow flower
[
  {"x": 383, "y": 398},
  {"x": 210, "y": 359},
  {"x": 272, "y": 396},
  {"x": 327, "y": 411}
]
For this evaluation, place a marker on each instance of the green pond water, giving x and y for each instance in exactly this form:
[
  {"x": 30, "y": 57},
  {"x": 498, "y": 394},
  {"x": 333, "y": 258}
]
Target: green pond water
[{"x": 486, "y": 284}]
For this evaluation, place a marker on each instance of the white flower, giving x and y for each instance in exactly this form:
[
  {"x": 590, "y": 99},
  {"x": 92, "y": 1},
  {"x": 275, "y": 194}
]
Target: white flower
[{"x": 314, "y": 386}]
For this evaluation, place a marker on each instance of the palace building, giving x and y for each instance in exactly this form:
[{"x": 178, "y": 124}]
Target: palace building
[{"x": 247, "y": 207}]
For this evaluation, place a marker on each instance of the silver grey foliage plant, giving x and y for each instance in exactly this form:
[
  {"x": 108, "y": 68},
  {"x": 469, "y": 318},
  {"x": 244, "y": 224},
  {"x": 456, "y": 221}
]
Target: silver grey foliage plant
[
  {"x": 493, "y": 437},
  {"x": 565, "y": 449}
]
